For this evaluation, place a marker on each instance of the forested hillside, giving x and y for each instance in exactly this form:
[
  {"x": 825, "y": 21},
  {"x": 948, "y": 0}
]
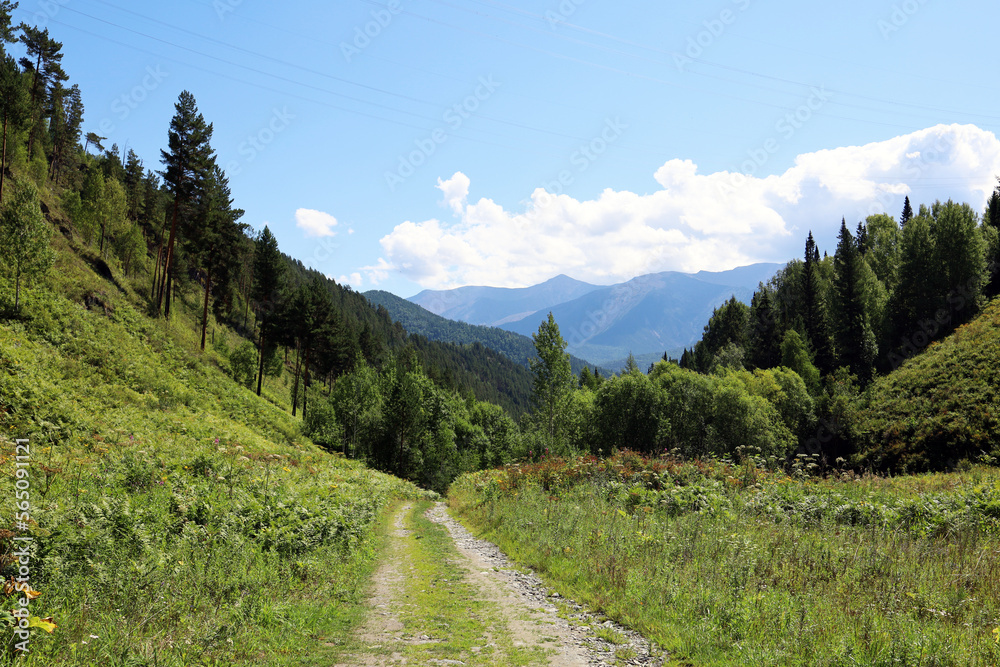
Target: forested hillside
[
  {"x": 417, "y": 320},
  {"x": 173, "y": 246}
]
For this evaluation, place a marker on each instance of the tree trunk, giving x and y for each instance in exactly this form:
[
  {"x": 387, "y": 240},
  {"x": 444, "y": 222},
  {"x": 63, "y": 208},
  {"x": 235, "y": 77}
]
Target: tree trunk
[
  {"x": 170, "y": 286},
  {"x": 34, "y": 97},
  {"x": 159, "y": 261},
  {"x": 305, "y": 384},
  {"x": 260, "y": 372},
  {"x": 170, "y": 255},
  {"x": 295, "y": 385},
  {"x": 3, "y": 157},
  {"x": 204, "y": 316}
]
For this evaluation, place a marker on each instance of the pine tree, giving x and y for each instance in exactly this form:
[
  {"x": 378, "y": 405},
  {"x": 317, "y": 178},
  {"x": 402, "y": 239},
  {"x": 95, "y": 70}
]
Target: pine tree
[
  {"x": 96, "y": 139},
  {"x": 907, "y": 214},
  {"x": 6, "y": 29},
  {"x": 133, "y": 184},
  {"x": 552, "y": 373},
  {"x": 13, "y": 107},
  {"x": 186, "y": 164},
  {"x": 268, "y": 272},
  {"x": 631, "y": 365},
  {"x": 991, "y": 225},
  {"x": 25, "y": 237},
  {"x": 815, "y": 314},
  {"x": 855, "y": 340},
  {"x": 764, "y": 341},
  {"x": 43, "y": 62},
  {"x": 213, "y": 238},
  {"x": 861, "y": 238},
  {"x": 65, "y": 120}
]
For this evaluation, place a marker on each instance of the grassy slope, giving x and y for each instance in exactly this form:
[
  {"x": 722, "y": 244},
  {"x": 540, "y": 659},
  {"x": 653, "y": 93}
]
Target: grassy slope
[
  {"x": 180, "y": 519},
  {"x": 726, "y": 565},
  {"x": 942, "y": 406}
]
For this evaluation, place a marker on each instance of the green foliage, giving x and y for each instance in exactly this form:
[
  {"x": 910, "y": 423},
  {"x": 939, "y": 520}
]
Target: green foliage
[
  {"x": 729, "y": 564},
  {"x": 421, "y": 322},
  {"x": 795, "y": 355},
  {"x": 243, "y": 364},
  {"x": 170, "y": 501},
  {"x": 553, "y": 377},
  {"x": 320, "y": 424},
  {"x": 940, "y": 407},
  {"x": 24, "y": 238},
  {"x": 628, "y": 414}
]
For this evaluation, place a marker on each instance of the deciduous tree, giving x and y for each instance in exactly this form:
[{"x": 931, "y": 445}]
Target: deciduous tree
[{"x": 25, "y": 237}]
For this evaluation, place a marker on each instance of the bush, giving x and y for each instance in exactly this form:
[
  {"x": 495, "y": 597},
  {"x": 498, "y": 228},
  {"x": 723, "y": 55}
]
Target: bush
[
  {"x": 321, "y": 425},
  {"x": 243, "y": 363}
]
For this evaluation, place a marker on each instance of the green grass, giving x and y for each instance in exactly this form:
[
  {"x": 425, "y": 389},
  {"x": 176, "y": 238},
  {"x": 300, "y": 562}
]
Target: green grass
[
  {"x": 941, "y": 407},
  {"x": 727, "y": 565},
  {"x": 178, "y": 519},
  {"x": 438, "y": 600}
]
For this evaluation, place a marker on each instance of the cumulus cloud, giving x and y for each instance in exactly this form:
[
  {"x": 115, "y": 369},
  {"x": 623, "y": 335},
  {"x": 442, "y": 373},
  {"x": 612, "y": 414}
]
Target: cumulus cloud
[
  {"x": 695, "y": 221},
  {"x": 315, "y": 223},
  {"x": 456, "y": 191},
  {"x": 354, "y": 280}
]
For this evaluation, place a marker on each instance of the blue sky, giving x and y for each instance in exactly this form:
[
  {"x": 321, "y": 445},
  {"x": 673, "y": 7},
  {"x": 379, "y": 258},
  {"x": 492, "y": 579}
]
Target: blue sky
[{"x": 436, "y": 143}]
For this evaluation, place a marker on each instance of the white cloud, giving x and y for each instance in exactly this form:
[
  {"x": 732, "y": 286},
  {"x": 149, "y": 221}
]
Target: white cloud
[
  {"x": 694, "y": 221},
  {"x": 354, "y": 280},
  {"x": 456, "y": 190},
  {"x": 315, "y": 223},
  {"x": 377, "y": 272}
]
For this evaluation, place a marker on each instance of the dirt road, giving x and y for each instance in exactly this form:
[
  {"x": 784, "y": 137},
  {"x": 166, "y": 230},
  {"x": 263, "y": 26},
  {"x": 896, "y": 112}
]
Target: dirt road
[{"x": 443, "y": 597}]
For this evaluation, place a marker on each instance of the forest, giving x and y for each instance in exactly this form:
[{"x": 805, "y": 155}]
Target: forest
[{"x": 797, "y": 372}]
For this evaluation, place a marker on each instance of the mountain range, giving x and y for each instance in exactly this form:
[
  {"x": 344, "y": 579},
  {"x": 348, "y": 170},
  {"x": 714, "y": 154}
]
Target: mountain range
[
  {"x": 649, "y": 314},
  {"x": 420, "y": 321}
]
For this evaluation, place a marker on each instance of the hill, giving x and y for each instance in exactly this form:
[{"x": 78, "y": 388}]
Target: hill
[
  {"x": 172, "y": 511},
  {"x": 460, "y": 365},
  {"x": 417, "y": 320},
  {"x": 940, "y": 407}
]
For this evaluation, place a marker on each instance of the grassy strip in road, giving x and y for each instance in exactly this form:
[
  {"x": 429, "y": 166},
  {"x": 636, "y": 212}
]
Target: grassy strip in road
[{"x": 444, "y": 616}]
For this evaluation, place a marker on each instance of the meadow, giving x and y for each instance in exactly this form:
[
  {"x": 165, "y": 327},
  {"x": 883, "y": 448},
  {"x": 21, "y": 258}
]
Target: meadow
[
  {"x": 731, "y": 564},
  {"x": 176, "y": 518}
]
